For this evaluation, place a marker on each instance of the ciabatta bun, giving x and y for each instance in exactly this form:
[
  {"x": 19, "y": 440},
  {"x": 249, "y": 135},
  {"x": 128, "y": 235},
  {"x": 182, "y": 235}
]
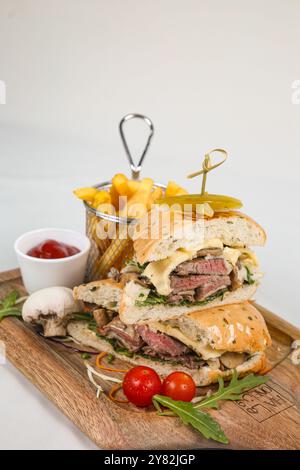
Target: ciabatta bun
[
  {"x": 105, "y": 293},
  {"x": 160, "y": 233},
  {"x": 131, "y": 314},
  {"x": 233, "y": 328}
]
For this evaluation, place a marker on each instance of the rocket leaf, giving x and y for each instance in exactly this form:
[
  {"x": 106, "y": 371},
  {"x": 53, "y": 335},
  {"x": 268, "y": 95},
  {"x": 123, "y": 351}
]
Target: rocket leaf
[
  {"x": 7, "y": 306},
  {"x": 233, "y": 391},
  {"x": 201, "y": 421}
]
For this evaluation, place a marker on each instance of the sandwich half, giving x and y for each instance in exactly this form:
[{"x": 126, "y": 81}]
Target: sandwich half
[
  {"x": 206, "y": 344},
  {"x": 190, "y": 265},
  {"x": 205, "y": 263}
]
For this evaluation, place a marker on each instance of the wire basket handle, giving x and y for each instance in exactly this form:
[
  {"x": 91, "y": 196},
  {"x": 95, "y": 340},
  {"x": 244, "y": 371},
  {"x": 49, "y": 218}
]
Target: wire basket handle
[{"x": 136, "y": 169}]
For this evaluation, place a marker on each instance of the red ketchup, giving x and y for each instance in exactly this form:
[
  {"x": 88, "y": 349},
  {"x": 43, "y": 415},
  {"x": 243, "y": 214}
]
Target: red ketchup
[{"x": 52, "y": 249}]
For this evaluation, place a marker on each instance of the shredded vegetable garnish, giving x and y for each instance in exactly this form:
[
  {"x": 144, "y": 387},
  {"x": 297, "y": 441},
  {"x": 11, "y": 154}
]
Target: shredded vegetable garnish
[
  {"x": 112, "y": 393},
  {"x": 98, "y": 387},
  {"x": 102, "y": 376},
  {"x": 91, "y": 372},
  {"x": 103, "y": 367}
]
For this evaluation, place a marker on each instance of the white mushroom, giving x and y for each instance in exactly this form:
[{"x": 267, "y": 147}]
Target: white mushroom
[
  {"x": 295, "y": 356},
  {"x": 231, "y": 360},
  {"x": 51, "y": 308}
]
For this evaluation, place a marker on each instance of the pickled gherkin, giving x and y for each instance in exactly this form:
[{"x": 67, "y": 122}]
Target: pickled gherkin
[{"x": 217, "y": 202}]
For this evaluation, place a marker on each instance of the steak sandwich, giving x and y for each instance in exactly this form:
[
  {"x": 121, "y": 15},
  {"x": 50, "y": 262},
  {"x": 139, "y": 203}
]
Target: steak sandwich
[
  {"x": 180, "y": 269},
  {"x": 206, "y": 344},
  {"x": 181, "y": 303},
  {"x": 184, "y": 268}
]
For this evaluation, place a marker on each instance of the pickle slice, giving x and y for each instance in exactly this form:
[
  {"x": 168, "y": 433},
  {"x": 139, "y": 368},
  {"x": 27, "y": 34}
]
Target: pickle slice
[{"x": 217, "y": 202}]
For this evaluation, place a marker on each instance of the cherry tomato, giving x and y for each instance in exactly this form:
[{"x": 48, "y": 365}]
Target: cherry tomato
[
  {"x": 140, "y": 384},
  {"x": 179, "y": 386},
  {"x": 52, "y": 249}
]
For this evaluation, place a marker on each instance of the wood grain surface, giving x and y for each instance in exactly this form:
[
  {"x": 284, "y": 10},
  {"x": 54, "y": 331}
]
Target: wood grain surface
[{"x": 267, "y": 417}]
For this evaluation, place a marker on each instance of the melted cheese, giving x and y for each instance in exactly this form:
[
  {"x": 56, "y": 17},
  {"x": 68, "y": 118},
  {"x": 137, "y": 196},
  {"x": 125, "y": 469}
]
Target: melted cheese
[
  {"x": 249, "y": 256},
  {"x": 204, "y": 350},
  {"x": 231, "y": 255},
  {"x": 158, "y": 272}
]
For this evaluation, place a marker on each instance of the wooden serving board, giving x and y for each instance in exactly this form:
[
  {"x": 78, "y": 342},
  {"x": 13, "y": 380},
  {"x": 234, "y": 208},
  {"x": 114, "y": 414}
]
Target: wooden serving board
[{"x": 267, "y": 417}]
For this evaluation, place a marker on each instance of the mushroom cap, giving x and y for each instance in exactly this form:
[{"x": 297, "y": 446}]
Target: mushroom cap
[{"x": 57, "y": 301}]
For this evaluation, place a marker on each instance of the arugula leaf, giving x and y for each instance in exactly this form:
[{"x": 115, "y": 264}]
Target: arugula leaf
[
  {"x": 154, "y": 298},
  {"x": 7, "y": 308},
  {"x": 233, "y": 391},
  {"x": 203, "y": 422},
  {"x": 10, "y": 300},
  {"x": 250, "y": 279},
  {"x": 10, "y": 312}
]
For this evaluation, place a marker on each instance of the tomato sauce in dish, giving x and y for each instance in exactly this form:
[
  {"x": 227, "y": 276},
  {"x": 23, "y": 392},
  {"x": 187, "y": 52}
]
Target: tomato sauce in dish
[{"x": 52, "y": 249}]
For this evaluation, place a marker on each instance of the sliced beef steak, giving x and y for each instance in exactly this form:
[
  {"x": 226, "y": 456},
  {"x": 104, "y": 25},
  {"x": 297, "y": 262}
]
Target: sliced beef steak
[
  {"x": 160, "y": 343},
  {"x": 213, "y": 285},
  {"x": 203, "y": 266},
  {"x": 180, "y": 284},
  {"x": 190, "y": 360},
  {"x": 126, "y": 335}
]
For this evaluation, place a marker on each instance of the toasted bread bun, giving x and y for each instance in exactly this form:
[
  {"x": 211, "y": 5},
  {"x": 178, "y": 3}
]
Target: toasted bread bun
[
  {"x": 232, "y": 328},
  {"x": 130, "y": 313},
  {"x": 105, "y": 293},
  {"x": 202, "y": 376},
  {"x": 121, "y": 298},
  {"x": 160, "y": 233}
]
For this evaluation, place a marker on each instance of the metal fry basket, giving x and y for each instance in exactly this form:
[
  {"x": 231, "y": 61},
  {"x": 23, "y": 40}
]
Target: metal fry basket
[{"x": 111, "y": 246}]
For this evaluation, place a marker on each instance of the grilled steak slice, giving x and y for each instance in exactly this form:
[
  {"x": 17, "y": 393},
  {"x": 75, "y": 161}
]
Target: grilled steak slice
[
  {"x": 212, "y": 286},
  {"x": 160, "y": 343},
  {"x": 180, "y": 284},
  {"x": 203, "y": 266},
  {"x": 125, "y": 334},
  {"x": 190, "y": 360}
]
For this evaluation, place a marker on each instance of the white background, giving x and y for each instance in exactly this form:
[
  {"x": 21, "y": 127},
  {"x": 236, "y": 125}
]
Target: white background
[{"x": 208, "y": 73}]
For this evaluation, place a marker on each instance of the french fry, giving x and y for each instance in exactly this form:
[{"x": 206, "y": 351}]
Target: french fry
[
  {"x": 173, "y": 189},
  {"x": 86, "y": 194},
  {"x": 133, "y": 186},
  {"x": 137, "y": 204},
  {"x": 119, "y": 182},
  {"x": 114, "y": 196},
  {"x": 156, "y": 194},
  {"x": 101, "y": 197}
]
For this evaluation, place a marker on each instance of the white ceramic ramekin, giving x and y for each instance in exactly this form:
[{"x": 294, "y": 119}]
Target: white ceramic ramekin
[{"x": 40, "y": 273}]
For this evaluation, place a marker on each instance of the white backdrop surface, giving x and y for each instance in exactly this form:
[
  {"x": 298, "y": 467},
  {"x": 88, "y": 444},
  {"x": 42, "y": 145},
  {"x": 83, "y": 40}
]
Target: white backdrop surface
[{"x": 208, "y": 73}]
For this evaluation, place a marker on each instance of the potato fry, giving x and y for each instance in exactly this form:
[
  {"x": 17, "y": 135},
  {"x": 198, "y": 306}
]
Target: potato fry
[
  {"x": 86, "y": 194},
  {"x": 137, "y": 204},
  {"x": 119, "y": 182},
  {"x": 101, "y": 197},
  {"x": 133, "y": 186},
  {"x": 173, "y": 189},
  {"x": 156, "y": 194},
  {"x": 114, "y": 196}
]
